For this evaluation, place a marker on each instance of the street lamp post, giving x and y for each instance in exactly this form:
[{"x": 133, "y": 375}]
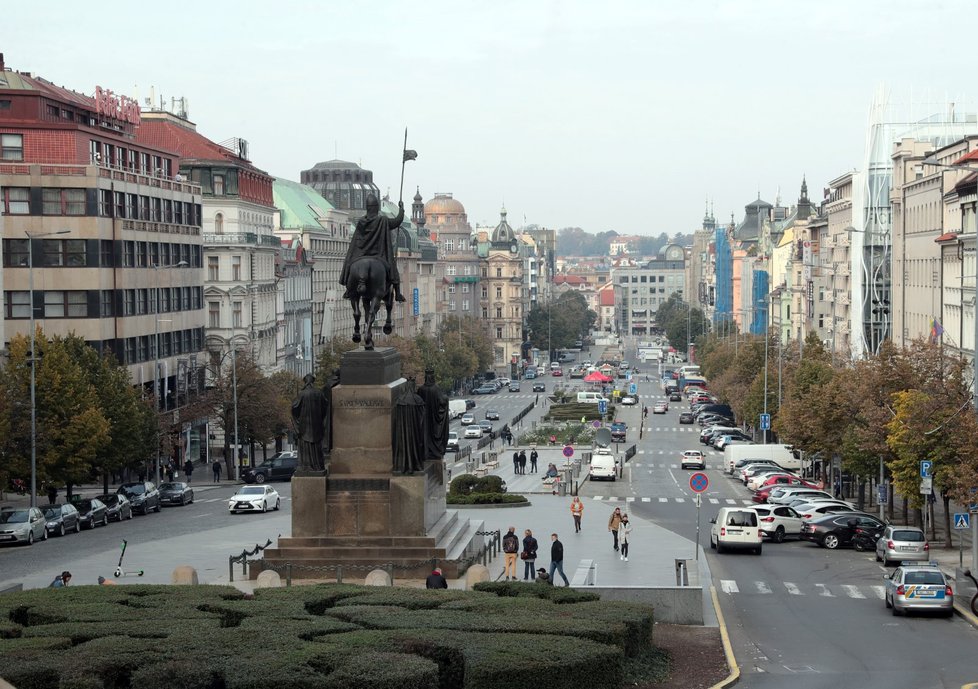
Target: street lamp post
[
  {"x": 33, "y": 357},
  {"x": 156, "y": 358}
]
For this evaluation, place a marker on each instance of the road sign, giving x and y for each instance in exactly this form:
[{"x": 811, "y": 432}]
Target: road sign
[
  {"x": 596, "y": 424},
  {"x": 881, "y": 494},
  {"x": 962, "y": 520},
  {"x": 632, "y": 388},
  {"x": 603, "y": 407},
  {"x": 765, "y": 424},
  {"x": 568, "y": 451},
  {"x": 699, "y": 482},
  {"x": 926, "y": 486},
  {"x": 925, "y": 468}
]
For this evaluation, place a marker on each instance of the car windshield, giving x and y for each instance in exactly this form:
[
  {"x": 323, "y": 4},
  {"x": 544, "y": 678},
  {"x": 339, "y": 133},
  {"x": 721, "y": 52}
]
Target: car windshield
[
  {"x": 914, "y": 536},
  {"x": 51, "y": 511},
  {"x": 923, "y": 578},
  {"x": 13, "y": 517},
  {"x": 171, "y": 486},
  {"x": 256, "y": 490},
  {"x": 109, "y": 500},
  {"x": 134, "y": 488}
]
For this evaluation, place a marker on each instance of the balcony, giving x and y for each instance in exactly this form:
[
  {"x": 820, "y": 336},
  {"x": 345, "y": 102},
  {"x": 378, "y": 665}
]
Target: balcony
[{"x": 243, "y": 238}]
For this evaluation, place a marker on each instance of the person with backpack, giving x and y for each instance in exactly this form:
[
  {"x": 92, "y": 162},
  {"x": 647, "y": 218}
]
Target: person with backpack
[
  {"x": 529, "y": 555},
  {"x": 511, "y": 546}
]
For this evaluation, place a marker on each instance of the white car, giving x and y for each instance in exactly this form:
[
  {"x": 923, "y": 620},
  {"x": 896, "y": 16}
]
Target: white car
[
  {"x": 452, "y": 445},
  {"x": 468, "y": 418},
  {"x": 254, "y": 499},
  {"x": 473, "y": 431},
  {"x": 660, "y": 407},
  {"x": 778, "y": 521},
  {"x": 694, "y": 459},
  {"x": 782, "y": 496},
  {"x": 628, "y": 401},
  {"x": 814, "y": 510}
]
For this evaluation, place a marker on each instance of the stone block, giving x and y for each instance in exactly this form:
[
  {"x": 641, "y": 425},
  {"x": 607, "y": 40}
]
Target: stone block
[
  {"x": 377, "y": 577},
  {"x": 308, "y": 505},
  {"x": 268, "y": 579},
  {"x": 407, "y": 505},
  {"x": 184, "y": 574},
  {"x": 377, "y": 367},
  {"x": 362, "y": 428},
  {"x": 474, "y": 574}
]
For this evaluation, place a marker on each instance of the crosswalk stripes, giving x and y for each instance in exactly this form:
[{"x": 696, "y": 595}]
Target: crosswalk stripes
[
  {"x": 646, "y": 499},
  {"x": 793, "y": 589},
  {"x": 878, "y": 591},
  {"x": 680, "y": 500},
  {"x": 629, "y": 499},
  {"x": 763, "y": 588},
  {"x": 663, "y": 499},
  {"x": 729, "y": 586},
  {"x": 730, "y": 501},
  {"x": 852, "y": 591},
  {"x": 823, "y": 590},
  {"x": 714, "y": 501}
]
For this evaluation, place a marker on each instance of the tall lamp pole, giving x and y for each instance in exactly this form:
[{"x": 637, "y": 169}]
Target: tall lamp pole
[
  {"x": 156, "y": 358},
  {"x": 32, "y": 358}
]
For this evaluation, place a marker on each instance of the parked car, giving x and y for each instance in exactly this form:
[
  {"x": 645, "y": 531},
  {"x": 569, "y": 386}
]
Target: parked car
[
  {"x": 675, "y": 397},
  {"x": 902, "y": 544},
  {"x": 473, "y": 431},
  {"x": 91, "y": 512},
  {"x": 694, "y": 459},
  {"x": 629, "y": 401},
  {"x": 782, "y": 495},
  {"x": 619, "y": 431},
  {"x": 177, "y": 493},
  {"x": 815, "y": 510},
  {"x": 539, "y": 387},
  {"x": 492, "y": 414},
  {"x": 143, "y": 496},
  {"x": 556, "y": 373},
  {"x": 61, "y": 519},
  {"x": 918, "y": 587},
  {"x": 485, "y": 390},
  {"x": 452, "y": 445},
  {"x": 254, "y": 499},
  {"x": 686, "y": 417},
  {"x": 277, "y": 468},
  {"x": 837, "y": 529},
  {"x": 778, "y": 521},
  {"x": 470, "y": 404},
  {"x": 117, "y": 506},
  {"x": 736, "y": 528},
  {"x": 660, "y": 407},
  {"x": 22, "y": 525}
]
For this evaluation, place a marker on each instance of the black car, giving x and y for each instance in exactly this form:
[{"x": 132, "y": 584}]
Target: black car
[
  {"x": 61, "y": 519},
  {"x": 469, "y": 404},
  {"x": 675, "y": 397},
  {"x": 142, "y": 495},
  {"x": 277, "y": 468},
  {"x": 176, "y": 493},
  {"x": 117, "y": 506},
  {"x": 492, "y": 415},
  {"x": 92, "y": 513},
  {"x": 539, "y": 387},
  {"x": 837, "y": 529},
  {"x": 686, "y": 417}
]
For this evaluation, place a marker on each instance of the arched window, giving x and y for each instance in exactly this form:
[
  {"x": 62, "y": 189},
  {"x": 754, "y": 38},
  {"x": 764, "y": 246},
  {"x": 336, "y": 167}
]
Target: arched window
[{"x": 219, "y": 223}]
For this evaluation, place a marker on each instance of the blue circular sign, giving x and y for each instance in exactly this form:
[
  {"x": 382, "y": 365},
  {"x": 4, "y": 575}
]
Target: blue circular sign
[
  {"x": 568, "y": 451},
  {"x": 699, "y": 482}
]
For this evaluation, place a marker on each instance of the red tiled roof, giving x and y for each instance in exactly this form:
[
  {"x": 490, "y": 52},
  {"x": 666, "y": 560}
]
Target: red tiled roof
[
  {"x": 607, "y": 297},
  {"x": 185, "y": 142},
  {"x": 569, "y": 280},
  {"x": 973, "y": 155}
]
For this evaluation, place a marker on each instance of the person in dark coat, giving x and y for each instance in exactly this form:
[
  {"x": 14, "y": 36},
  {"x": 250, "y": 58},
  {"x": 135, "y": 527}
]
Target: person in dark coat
[
  {"x": 529, "y": 555},
  {"x": 188, "y": 469},
  {"x": 435, "y": 580},
  {"x": 170, "y": 471},
  {"x": 557, "y": 559},
  {"x": 533, "y": 461},
  {"x": 522, "y": 461},
  {"x": 217, "y": 471},
  {"x": 516, "y": 462}
]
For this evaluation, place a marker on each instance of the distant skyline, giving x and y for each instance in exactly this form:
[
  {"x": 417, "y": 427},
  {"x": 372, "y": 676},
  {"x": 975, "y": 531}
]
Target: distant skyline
[{"x": 622, "y": 116}]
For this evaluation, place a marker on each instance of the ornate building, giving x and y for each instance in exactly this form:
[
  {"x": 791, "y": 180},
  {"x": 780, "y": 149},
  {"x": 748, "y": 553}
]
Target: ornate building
[
  {"x": 344, "y": 184},
  {"x": 504, "y": 296},
  {"x": 448, "y": 228}
]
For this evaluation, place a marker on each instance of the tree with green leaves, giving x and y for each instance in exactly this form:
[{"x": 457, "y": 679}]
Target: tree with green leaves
[{"x": 560, "y": 323}]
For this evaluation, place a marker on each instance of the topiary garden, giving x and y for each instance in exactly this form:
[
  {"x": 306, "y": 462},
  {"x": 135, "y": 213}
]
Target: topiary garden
[
  {"x": 467, "y": 489},
  {"x": 501, "y": 636}
]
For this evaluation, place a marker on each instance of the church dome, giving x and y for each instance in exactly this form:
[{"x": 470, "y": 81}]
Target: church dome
[
  {"x": 444, "y": 204},
  {"x": 503, "y": 236}
]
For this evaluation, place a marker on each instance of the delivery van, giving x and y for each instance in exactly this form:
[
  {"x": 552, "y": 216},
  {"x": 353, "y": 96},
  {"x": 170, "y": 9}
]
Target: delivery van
[
  {"x": 604, "y": 465},
  {"x": 590, "y": 397},
  {"x": 735, "y": 528},
  {"x": 782, "y": 455},
  {"x": 456, "y": 408}
]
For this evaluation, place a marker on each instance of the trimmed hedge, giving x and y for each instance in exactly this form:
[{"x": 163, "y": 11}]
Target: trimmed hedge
[
  {"x": 467, "y": 484},
  {"x": 212, "y": 637},
  {"x": 485, "y": 499}
]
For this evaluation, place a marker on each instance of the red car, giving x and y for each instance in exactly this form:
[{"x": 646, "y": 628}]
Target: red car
[
  {"x": 557, "y": 373},
  {"x": 764, "y": 492}
]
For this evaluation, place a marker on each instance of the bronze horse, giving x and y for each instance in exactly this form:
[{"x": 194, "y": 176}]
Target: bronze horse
[{"x": 367, "y": 283}]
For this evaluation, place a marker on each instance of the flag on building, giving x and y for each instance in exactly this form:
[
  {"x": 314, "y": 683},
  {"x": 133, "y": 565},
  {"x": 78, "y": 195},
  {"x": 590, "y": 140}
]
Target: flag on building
[
  {"x": 410, "y": 155},
  {"x": 935, "y": 331}
]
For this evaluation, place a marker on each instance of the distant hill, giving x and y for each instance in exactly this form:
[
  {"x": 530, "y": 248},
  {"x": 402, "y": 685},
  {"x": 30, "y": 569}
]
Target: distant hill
[{"x": 573, "y": 241}]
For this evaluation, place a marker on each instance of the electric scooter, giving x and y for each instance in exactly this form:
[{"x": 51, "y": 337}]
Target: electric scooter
[{"x": 119, "y": 572}]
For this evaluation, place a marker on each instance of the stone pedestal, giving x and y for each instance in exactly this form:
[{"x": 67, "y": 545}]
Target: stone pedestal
[{"x": 362, "y": 513}]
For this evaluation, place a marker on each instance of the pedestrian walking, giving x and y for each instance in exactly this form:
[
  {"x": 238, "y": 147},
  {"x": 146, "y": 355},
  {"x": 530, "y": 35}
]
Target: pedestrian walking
[
  {"x": 557, "y": 559},
  {"x": 522, "y": 461},
  {"x": 529, "y": 555},
  {"x": 511, "y": 546},
  {"x": 624, "y": 535},
  {"x": 188, "y": 469},
  {"x": 170, "y": 471},
  {"x": 577, "y": 511},
  {"x": 217, "y": 471},
  {"x": 613, "y": 523},
  {"x": 435, "y": 580},
  {"x": 645, "y": 412},
  {"x": 533, "y": 460},
  {"x": 516, "y": 463}
]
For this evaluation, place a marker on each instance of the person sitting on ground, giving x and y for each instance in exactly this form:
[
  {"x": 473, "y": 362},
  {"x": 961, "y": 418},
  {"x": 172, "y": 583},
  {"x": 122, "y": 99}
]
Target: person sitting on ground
[
  {"x": 543, "y": 577},
  {"x": 102, "y": 581},
  {"x": 61, "y": 580},
  {"x": 435, "y": 580}
]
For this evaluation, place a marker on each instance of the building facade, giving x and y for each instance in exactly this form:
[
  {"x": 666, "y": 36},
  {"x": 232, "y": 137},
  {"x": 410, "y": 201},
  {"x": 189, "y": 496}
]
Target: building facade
[
  {"x": 448, "y": 228},
  {"x": 294, "y": 271},
  {"x": 639, "y": 291},
  {"x": 504, "y": 296}
]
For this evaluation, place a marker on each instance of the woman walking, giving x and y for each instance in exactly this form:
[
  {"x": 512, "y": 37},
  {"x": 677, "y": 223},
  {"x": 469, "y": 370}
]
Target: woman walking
[
  {"x": 624, "y": 534},
  {"x": 529, "y": 555},
  {"x": 613, "y": 524},
  {"x": 577, "y": 511}
]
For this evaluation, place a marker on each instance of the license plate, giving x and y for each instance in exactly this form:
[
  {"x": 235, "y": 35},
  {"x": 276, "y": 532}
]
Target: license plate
[
  {"x": 243, "y": 505},
  {"x": 908, "y": 549},
  {"x": 8, "y": 538}
]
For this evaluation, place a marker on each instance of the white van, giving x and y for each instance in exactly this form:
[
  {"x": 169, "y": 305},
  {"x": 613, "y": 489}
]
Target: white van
[
  {"x": 735, "y": 528},
  {"x": 604, "y": 465},
  {"x": 456, "y": 408},
  {"x": 782, "y": 455},
  {"x": 590, "y": 397}
]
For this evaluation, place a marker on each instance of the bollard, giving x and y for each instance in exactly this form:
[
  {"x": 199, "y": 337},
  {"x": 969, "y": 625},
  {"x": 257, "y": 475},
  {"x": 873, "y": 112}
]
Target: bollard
[
  {"x": 339, "y": 574},
  {"x": 390, "y": 573},
  {"x": 231, "y": 569},
  {"x": 288, "y": 574}
]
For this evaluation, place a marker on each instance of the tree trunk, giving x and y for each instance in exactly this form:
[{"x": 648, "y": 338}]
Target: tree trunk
[
  {"x": 905, "y": 510},
  {"x": 946, "y": 499},
  {"x": 862, "y": 493},
  {"x": 889, "y": 506},
  {"x": 105, "y": 481}
]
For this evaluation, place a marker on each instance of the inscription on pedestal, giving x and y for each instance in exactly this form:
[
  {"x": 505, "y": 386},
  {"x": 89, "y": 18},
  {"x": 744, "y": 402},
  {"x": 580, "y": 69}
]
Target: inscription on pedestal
[{"x": 347, "y": 484}]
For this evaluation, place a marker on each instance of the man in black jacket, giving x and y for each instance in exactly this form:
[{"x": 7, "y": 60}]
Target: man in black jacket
[
  {"x": 533, "y": 461},
  {"x": 511, "y": 546},
  {"x": 557, "y": 560},
  {"x": 435, "y": 580}
]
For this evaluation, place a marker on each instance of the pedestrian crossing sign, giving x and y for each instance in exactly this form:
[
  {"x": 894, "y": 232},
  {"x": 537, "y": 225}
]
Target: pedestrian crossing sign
[{"x": 962, "y": 520}]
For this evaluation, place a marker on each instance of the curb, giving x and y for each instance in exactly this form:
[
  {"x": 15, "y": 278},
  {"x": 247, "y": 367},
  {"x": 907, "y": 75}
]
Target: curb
[
  {"x": 734, "y": 675},
  {"x": 491, "y": 506},
  {"x": 965, "y": 613}
]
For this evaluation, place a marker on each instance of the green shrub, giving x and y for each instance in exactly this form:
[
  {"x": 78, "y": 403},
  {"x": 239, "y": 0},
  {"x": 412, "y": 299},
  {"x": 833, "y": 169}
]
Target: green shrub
[
  {"x": 551, "y": 593},
  {"x": 463, "y": 484},
  {"x": 485, "y": 499},
  {"x": 384, "y": 671}
]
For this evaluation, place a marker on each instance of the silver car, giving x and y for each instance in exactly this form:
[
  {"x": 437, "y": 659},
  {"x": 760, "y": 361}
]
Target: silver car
[
  {"x": 902, "y": 544},
  {"x": 24, "y": 525},
  {"x": 922, "y": 587}
]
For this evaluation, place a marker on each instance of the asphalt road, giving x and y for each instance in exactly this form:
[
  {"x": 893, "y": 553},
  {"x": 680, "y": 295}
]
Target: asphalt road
[{"x": 798, "y": 615}]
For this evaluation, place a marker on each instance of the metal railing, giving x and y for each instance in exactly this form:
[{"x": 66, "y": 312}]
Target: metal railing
[{"x": 243, "y": 559}]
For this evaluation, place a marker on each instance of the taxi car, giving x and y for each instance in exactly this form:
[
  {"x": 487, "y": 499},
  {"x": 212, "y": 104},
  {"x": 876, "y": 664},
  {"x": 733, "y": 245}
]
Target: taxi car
[{"x": 918, "y": 586}]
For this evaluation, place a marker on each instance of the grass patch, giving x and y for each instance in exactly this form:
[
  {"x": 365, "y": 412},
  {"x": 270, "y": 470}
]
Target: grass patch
[{"x": 651, "y": 665}]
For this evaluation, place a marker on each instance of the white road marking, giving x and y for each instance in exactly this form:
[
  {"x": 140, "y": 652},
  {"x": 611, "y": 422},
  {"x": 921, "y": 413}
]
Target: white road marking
[
  {"x": 762, "y": 587},
  {"x": 663, "y": 499},
  {"x": 748, "y": 502},
  {"x": 879, "y": 591},
  {"x": 852, "y": 591},
  {"x": 730, "y": 501},
  {"x": 714, "y": 501},
  {"x": 680, "y": 499},
  {"x": 824, "y": 591},
  {"x": 598, "y": 497},
  {"x": 793, "y": 589},
  {"x": 646, "y": 499},
  {"x": 629, "y": 499},
  {"x": 729, "y": 586}
]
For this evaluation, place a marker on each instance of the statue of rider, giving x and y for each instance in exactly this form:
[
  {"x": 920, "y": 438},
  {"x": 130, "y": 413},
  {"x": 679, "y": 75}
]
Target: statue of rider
[{"x": 372, "y": 237}]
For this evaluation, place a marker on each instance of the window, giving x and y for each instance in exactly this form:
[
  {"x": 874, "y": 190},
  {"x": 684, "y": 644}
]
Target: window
[
  {"x": 236, "y": 268},
  {"x": 219, "y": 223},
  {"x": 499, "y": 312},
  {"x": 499, "y": 272},
  {"x": 63, "y": 201},
  {"x": 451, "y": 289},
  {"x": 17, "y": 304},
  {"x": 142, "y": 301},
  {"x": 105, "y": 203},
  {"x": 451, "y": 305},
  {"x": 213, "y": 314},
  {"x": 212, "y": 268},
  {"x": 11, "y": 146},
  {"x": 142, "y": 255},
  {"x": 120, "y": 204},
  {"x": 485, "y": 313},
  {"x": 236, "y": 315},
  {"x": 499, "y": 293},
  {"x": 468, "y": 269},
  {"x": 499, "y": 333},
  {"x": 485, "y": 292},
  {"x": 15, "y": 252},
  {"x": 218, "y": 185},
  {"x": 64, "y": 252},
  {"x": 465, "y": 288},
  {"x": 165, "y": 300},
  {"x": 465, "y": 304},
  {"x": 107, "y": 303},
  {"x": 54, "y": 305},
  {"x": 449, "y": 246},
  {"x": 16, "y": 201},
  {"x": 128, "y": 302},
  {"x": 450, "y": 270}
]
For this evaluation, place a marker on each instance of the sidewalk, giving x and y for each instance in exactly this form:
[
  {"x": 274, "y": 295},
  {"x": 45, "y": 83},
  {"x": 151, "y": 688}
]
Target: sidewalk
[{"x": 91, "y": 490}]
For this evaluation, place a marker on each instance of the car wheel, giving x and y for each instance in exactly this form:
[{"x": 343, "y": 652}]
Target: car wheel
[
  {"x": 278, "y": 503},
  {"x": 896, "y": 611},
  {"x": 61, "y": 529},
  {"x": 757, "y": 550},
  {"x": 264, "y": 506},
  {"x": 886, "y": 601},
  {"x": 183, "y": 501},
  {"x": 779, "y": 535},
  {"x": 105, "y": 520},
  {"x": 259, "y": 478},
  {"x": 44, "y": 536},
  {"x": 878, "y": 558},
  {"x": 830, "y": 541},
  {"x": 713, "y": 545},
  {"x": 78, "y": 526},
  {"x": 886, "y": 563},
  {"x": 30, "y": 537},
  {"x": 719, "y": 547},
  {"x": 158, "y": 507}
]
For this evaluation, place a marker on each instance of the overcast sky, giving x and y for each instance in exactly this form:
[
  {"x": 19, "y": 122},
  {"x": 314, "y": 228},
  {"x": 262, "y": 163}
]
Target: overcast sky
[{"x": 603, "y": 115}]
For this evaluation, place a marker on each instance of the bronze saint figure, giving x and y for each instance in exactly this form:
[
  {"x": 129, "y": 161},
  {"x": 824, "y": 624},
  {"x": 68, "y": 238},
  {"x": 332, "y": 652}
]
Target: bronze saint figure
[
  {"x": 311, "y": 415},
  {"x": 408, "y": 431},
  {"x": 436, "y": 417},
  {"x": 373, "y": 237}
]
